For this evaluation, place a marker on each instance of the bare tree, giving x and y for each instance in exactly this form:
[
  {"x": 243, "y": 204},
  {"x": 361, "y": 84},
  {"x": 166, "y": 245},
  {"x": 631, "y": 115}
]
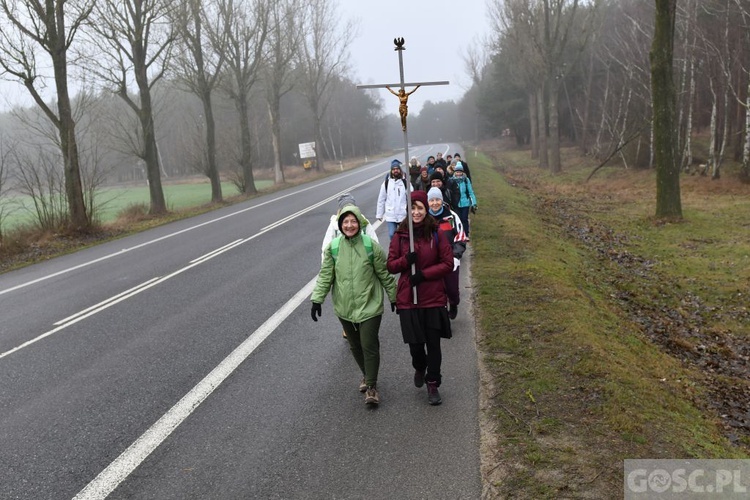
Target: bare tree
[
  {"x": 246, "y": 36},
  {"x": 668, "y": 201},
  {"x": 203, "y": 29},
  {"x": 50, "y": 26},
  {"x": 38, "y": 175},
  {"x": 135, "y": 39},
  {"x": 322, "y": 57},
  {"x": 7, "y": 204},
  {"x": 283, "y": 43}
]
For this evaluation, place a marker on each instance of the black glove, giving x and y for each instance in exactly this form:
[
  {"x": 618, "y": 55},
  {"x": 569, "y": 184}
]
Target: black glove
[
  {"x": 416, "y": 278},
  {"x": 411, "y": 258},
  {"x": 393, "y": 307},
  {"x": 473, "y": 209},
  {"x": 316, "y": 310}
]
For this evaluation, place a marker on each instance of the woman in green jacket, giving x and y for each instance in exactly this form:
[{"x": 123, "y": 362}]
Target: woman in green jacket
[{"x": 354, "y": 271}]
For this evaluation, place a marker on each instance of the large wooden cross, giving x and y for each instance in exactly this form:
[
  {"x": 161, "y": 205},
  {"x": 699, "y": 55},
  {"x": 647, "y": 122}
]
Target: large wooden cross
[{"x": 403, "y": 110}]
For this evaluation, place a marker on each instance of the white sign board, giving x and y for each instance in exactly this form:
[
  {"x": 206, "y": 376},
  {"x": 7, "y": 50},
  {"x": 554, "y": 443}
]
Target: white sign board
[{"x": 307, "y": 150}]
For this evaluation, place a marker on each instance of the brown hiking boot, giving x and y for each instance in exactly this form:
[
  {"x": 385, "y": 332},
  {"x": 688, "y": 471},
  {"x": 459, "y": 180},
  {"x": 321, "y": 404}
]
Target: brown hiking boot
[
  {"x": 371, "y": 396},
  {"x": 362, "y": 385}
]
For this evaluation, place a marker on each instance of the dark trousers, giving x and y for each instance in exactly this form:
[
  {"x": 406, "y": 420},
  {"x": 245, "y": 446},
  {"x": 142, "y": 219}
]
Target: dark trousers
[
  {"x": 431, "y": 359},
  {"x": 365, "y": 346},
  {"x": 451, "y": 287},
  {"x": 463, "y": 214}
]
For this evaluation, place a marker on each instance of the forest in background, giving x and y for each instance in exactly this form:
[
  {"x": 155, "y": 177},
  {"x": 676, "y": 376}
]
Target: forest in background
[{"x": 154, "y": 89}]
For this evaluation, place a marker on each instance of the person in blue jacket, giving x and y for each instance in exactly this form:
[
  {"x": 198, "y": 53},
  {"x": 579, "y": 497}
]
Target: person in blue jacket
[{"x": 467, "y": 200}]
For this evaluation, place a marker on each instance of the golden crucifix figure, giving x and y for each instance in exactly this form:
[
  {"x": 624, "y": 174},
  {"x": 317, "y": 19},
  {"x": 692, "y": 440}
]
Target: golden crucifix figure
[{"x": 403, "y": 97}]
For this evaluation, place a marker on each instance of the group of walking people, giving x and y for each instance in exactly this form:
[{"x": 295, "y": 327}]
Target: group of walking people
[{"x": 358, "y": 273}]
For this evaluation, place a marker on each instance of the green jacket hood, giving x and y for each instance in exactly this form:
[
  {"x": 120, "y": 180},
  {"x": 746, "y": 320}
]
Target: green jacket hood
[{"x": 353, "y": 209}]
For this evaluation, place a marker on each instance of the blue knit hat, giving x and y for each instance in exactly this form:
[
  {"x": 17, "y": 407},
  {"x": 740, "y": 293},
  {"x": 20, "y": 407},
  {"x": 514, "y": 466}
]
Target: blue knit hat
[
  {"x": 459, "y": 167},
  {"x": 395, "y": 163}
]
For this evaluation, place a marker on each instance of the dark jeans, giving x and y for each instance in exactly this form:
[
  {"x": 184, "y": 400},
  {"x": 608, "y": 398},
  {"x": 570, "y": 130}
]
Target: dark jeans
[
  {"x": 365, "y": 346},
  {"x": 463, "y": 214},
  {"x": 432, "y": 359}
]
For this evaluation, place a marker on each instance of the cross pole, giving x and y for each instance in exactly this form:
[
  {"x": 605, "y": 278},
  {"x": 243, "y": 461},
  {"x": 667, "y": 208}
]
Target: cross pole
[{"x": 403, "y": 97}]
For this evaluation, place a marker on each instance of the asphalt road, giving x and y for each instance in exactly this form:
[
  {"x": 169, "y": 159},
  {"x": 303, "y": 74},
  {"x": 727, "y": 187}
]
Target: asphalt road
[{"x": 182, "y": 363}]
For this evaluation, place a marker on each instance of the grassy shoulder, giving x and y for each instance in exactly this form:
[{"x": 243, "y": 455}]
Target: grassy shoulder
[{"x": 581, "y": 299}]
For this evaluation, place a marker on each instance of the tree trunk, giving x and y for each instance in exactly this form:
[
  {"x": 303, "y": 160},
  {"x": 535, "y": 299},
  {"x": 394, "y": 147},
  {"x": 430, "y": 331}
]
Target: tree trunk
[
  {"x": 68, "y": 144},
  {"x": 213, "y": 171},
  {"x": 554, "y": 127},
  {"x": 246, "y": 146},
  {"x": 745, "y": 171},
  {"x": 714, "y": 119},
  {"x": 273, "y": 114},
  {"x": 158, "y": 204},
  {"x": 688, "y": 151},
  {"x": 587, "y": 107},
  {"x": 542, "y": 128},
  {"x": 668, "y": 200},
  {"x": 534, "y": 122}
]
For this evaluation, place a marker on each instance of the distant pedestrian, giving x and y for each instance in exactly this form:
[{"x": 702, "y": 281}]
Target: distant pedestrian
[
  {"x": 467, "y": 201},
  {"x": 458, "y": 158},
  {"x": 354, "y": 272},
  {"x": 392, "y": 198},
  {"x": 414, "y": 168},
  {"x": 423, "y": 181},
  {"x": 422, "y": 324},
  {"x": 440, "y": 161},
  {"x": 449, "y": 224},
  {"x": 430, "y": 164}
]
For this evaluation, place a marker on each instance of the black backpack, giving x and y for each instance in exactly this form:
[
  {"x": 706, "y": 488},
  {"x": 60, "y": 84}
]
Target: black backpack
[{"x": 388, "y": 177}]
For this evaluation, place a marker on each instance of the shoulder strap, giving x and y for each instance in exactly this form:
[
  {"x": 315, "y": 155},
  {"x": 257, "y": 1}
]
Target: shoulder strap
[
  {"x": 368, "y": 247},
  {"x": 335, "y": 247},
  {"x": 365, "y": 239}
]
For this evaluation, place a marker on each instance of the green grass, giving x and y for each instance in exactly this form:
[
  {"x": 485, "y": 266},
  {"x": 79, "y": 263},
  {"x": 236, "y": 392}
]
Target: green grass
[
  {"x": 112, "y": 201},
  {"x": 550, "y": 326}
]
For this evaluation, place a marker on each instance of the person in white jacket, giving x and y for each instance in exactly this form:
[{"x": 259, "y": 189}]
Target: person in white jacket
[{"x": 393, "y": 198}]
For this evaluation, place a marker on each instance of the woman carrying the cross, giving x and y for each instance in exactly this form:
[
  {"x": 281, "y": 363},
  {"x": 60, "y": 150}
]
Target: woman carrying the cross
[{"x": 424, "y": 321}]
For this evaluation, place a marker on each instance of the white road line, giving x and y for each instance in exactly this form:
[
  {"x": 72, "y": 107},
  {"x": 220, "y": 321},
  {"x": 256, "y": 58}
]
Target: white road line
[
  {"x": 209, "y": 254},
  {"x": 106, "y": 482},
  {"x": 116, "y": 472},
  {"x": 75, "y": 318},
  {"x": 176, "y": 233},
  {"x": 100, "y": 304}
]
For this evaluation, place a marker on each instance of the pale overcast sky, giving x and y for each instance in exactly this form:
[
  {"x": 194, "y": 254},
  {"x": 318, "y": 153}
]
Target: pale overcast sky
[{"x": 436, "y": 33}]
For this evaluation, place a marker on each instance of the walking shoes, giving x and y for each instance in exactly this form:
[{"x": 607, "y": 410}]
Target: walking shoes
[
  {"x": 433, "y": 396},
  {"x": 418, "y": 378},
  {"x": 371, "y": 396}
]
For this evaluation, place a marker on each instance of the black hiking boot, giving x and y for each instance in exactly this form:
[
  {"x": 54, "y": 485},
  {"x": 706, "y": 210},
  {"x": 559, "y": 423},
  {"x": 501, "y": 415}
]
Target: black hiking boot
[
  {"x": 418, "y": 378},
  {"x": 433, "y": 396}
]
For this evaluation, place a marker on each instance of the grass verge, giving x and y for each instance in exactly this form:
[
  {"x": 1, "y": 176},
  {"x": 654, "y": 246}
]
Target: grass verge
[{"x": 577, "y": 290}]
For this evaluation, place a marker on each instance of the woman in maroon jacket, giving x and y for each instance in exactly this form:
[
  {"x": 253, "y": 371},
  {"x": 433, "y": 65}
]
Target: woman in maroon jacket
[{"x": 423, "y": 323}]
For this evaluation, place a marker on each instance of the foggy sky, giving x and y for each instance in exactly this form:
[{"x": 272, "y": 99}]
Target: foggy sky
[{"x": 436, "y": 33}]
